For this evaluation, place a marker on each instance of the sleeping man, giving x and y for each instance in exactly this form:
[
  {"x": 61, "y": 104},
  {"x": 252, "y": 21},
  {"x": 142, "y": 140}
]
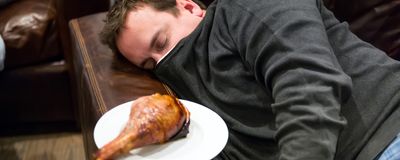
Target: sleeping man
[{"x": 289, "y": 79}]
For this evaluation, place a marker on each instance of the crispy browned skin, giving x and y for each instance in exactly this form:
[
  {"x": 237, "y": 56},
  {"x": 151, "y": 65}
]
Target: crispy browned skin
[{"x": 153, "y": 119}]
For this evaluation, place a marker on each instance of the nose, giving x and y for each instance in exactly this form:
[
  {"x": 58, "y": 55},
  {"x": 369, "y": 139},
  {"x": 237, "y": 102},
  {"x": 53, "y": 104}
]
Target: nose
[
  {"x": 151, "y": 62},
  {"x": 157, "y": 56},
  {"x": 160, "y": 55}
]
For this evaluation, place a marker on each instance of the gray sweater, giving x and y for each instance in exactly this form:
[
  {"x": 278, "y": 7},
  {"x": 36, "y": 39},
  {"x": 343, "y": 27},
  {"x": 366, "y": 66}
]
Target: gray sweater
[{"x": 290, "y": 81}]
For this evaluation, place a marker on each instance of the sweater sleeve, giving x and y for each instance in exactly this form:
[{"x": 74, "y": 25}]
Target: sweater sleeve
[{"x": 284, "y": 43}]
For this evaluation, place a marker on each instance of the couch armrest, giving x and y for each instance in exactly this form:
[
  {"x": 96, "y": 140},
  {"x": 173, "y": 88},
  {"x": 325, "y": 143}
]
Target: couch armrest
[
  {"x": 70, "y": 9},
  {"x": 102, "y": 81}
]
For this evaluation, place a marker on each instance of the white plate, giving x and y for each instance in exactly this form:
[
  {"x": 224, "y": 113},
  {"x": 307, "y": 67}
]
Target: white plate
[{"x": 207, "y": 136}]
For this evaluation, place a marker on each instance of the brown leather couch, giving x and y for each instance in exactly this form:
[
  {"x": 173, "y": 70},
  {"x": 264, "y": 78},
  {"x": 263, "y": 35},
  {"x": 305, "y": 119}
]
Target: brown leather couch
[
  {"x": 374, "y": 21},
  {"x": 35, "y": 90},
  {"x": 104, "y": 81}
]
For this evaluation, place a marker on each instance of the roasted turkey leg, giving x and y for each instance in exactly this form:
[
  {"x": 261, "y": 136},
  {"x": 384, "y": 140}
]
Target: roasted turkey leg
[{"x": 153, "y": 119}]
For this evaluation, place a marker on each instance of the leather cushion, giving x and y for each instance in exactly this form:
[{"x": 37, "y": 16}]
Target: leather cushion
[
  {"x": 35, "y": 94},
  {"x": 374, "y": 21},
  {"x": 29, "y": 31}
]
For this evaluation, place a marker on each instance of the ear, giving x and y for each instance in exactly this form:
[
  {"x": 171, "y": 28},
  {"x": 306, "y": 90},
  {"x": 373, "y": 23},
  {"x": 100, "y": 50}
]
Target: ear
[{"x": 190, "y": 6}]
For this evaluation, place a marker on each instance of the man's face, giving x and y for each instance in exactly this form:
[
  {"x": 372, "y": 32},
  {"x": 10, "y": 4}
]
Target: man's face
[{"x": 149, "y": 34}]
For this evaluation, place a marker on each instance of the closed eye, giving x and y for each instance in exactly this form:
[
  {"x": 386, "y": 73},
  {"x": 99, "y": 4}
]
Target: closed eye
[{"x": 161, "y": 43}]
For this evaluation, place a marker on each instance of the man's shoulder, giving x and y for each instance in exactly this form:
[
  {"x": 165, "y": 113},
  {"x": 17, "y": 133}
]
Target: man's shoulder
[
  {"x": 250, "y": 6},
  {"x": 241, "y": 3},
  {"x": 237, "y": 6}
]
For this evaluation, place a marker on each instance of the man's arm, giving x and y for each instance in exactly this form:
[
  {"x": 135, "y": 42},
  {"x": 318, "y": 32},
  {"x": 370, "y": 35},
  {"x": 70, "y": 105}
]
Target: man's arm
[{"x": 285, "y": 43}]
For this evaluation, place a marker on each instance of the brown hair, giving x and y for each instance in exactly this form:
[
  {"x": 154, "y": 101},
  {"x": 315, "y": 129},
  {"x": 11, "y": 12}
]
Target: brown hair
[{"x": 117, "y": 14}]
